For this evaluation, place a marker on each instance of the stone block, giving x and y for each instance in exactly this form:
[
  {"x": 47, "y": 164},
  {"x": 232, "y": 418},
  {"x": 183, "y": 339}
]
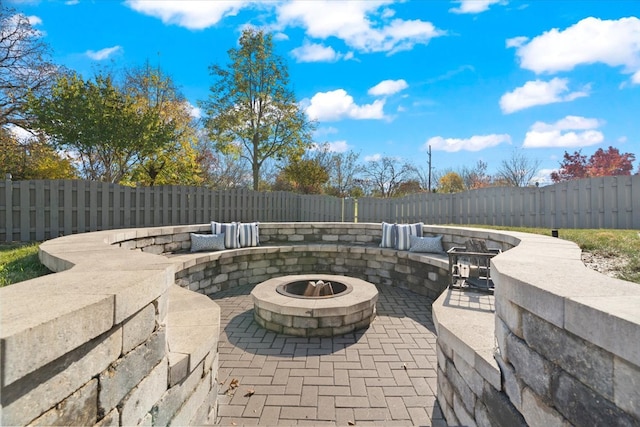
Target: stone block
[
  {"x": 460, "y": 409},
  {"x": 304, "y": 322},
  {"x": 112, "y": 419},
  {"x": 141, "y": 400},
  {"x": 590, "y": 364},
  {"x": 582, "y": 406},
  {"x": 138, "y": 328},
  {"x": 178, "y": 367},
  {"x": 537, "y": 413},
  {"x": 187, "y": 412},
  {"x": 510, "y": 314},
  {"x": 330, "y": 321},
  {"x": 161, "y": 240},
  {"x": 470, "y": 376},
  {"x": 510, "y": 383},
  {"x": 482, "y": 415},
  {"x": 501, "y": 410},
  {"x": 58, "y": 379},
  {"x": 47, "y": 310},
  {"x": 461, "y": 388},
  {"x": 128, "y": 371},
  {"x": 78, "y": 409},
  {"x": 171, "y": 401},
  {"x": 626, "y": 387},
  {"x": 532, "y": 368},
  {"x": 154, "y": 249}
]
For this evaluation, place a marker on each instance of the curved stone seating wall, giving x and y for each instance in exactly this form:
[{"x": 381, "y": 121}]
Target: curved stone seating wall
[
  {"x": 111, "y": 340},
  {"x": 562, "y": 347}
]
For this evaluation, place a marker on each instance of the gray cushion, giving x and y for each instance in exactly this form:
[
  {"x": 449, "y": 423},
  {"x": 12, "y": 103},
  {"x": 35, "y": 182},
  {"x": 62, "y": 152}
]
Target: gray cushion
[
  {"x": 207, "y": 242},
  {"x": 426, "y": 244}
]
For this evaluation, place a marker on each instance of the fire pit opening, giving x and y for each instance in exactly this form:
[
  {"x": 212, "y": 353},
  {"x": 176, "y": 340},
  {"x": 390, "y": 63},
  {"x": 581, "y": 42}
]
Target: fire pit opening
[{"x": 313, "y": 289}]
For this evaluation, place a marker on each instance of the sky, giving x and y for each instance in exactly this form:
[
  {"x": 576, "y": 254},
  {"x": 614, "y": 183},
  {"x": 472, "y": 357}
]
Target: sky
[{"x": 472, "y": 79}]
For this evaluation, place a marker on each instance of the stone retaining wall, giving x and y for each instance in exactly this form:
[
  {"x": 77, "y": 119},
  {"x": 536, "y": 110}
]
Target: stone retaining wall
[{"x": 110, "y": 339}]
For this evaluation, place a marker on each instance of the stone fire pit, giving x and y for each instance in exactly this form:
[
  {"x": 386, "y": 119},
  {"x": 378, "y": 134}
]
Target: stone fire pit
[{"x": 279, "y": 306}]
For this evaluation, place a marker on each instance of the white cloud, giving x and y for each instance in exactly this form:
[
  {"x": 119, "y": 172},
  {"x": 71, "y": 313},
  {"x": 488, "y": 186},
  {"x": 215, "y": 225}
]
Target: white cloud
[
  {"x": 373, "y": 158},
  {"x": 539, "y": 92},
  {"x": 571, "y": 131},
  {"x": 34, "y": 20},
  {"x": 337, "y": 105},
  {"x": 591, "y": 40},
  {"x": 316, "y": 52},
  {"x": 475, "y": 143},
  {"x": 338, "y": 146},
  {"x": 388, "y": 87},
  {"x": 473, "y": 6},
  {"x": 360, "y": 24},
  {"x": 543, "y": 176},
  {"x": 191, "y": 14},
  {"x": 280, "y": 36},
  {"x": 517, "y": 41},
  {"x": 20, "y": 133},
  {"x": 635, "y": 79},
  {"x": 194, "y": 111},
  {"x": 568, "y": 123},
  {"x": 103, "y": 53}
]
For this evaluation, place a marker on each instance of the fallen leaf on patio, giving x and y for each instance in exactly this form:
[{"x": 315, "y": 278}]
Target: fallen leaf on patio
[
  {"x": 404, "y": 365},
  {"x": 351, "y": 423},
  {"x": 234, "y": 383},
  {"x": 249, "y": 392}
]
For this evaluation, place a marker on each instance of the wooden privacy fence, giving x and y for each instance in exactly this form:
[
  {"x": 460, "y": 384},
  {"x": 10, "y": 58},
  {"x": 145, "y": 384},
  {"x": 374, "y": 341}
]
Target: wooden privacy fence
[{"x": 40, "y": 210}]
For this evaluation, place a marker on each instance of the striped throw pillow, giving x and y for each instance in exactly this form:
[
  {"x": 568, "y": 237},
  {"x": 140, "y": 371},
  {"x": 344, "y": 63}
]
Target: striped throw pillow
[
  {"x": 230, "y": 231},
  {"x": 404, "y": 233},
  {"x": 249, "y": 234},
  {"x": 388, "y": 235}
]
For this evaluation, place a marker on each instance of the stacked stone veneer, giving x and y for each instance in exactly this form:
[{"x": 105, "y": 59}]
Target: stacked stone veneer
[{"x": 323, "y": 248}]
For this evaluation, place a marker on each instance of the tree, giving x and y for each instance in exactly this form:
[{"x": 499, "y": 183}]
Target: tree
[
  {"x": 251, "y": 110},
  {"x": 107, "y": 130},
  {"x": 386, "y": 175},
  {"x": 25, "y": 66},
  {"x": 450, "y": 182},
  {"x": 172, "y": 157},
  {"x": 518, "y": 170},
  {"x": 343, "y": 169},
  {"x": 610, "y": 163},
  {"x": 476, "y": 176},
  {"x": 304, "y": 176},
  {"x": 601, "y": 163},
  {"x": 574, "y": 166},
  {"x": 32, "y": 158},
  {"x": 411, "y": 186}
]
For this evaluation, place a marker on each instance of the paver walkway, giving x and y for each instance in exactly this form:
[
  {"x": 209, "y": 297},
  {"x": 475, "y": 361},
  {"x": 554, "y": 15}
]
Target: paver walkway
[{"x": 385, "y": 375}]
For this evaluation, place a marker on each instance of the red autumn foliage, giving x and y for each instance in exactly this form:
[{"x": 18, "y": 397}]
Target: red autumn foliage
[{"x": 601, "y": 163}]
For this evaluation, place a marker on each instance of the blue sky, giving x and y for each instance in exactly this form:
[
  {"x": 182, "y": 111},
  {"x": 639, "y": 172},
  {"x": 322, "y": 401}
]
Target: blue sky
[{"x": 476, "y": 79}]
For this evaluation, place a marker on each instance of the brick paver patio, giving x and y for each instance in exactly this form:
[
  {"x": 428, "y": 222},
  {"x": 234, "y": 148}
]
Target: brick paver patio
[{"x": 385, "y": 375}]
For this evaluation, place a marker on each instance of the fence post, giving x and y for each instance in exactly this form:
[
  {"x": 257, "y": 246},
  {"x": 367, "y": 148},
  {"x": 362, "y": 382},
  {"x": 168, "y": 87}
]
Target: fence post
[{"x": 8, "y": 203}]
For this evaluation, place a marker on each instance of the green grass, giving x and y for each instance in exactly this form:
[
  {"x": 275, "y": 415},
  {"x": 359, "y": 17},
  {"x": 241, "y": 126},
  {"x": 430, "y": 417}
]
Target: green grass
[
  {"x": 19, "y": 262},
  {"x": 603, "y": 242}
]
